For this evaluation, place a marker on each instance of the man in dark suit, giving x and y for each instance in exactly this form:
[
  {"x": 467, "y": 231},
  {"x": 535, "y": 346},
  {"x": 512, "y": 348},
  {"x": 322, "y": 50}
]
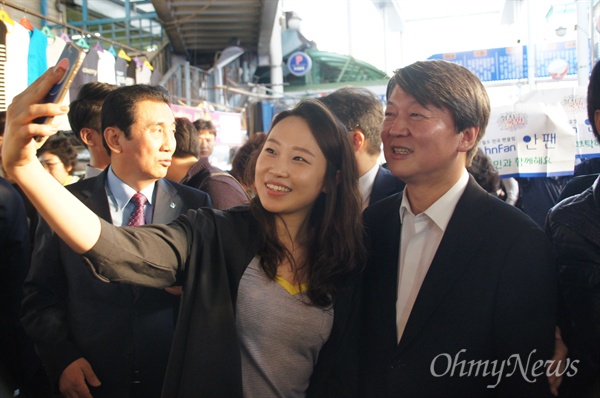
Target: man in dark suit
[
  {"x": 361, "y": 112},
  {"x": 110, "y": 339},
  {"x": 459, "y": 292}
]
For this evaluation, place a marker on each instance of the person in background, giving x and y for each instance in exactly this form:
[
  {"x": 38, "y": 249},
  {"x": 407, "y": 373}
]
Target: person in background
[
  {"x": 361, "y": 111},
  {"x": 59, "y": 157},
  {"x": 15, "y": 251},
  {"x": 224, "y": 190},
  {"x": 242, "y": 158},
  {"x": 108, "y": 339},
  {"x": 207, "y": 133},
  {"x": 537, "y": 195},
  {"x": 270, "y": 290},
  {"x": 573, "y": 226},
  {"x": 85, "y": 121},
  {"x": 484, "y": 172},
  {"x": 454, "y": 275}
]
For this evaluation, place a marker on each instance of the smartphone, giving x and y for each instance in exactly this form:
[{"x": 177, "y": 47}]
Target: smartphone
[{"x": 70, "y": 59}]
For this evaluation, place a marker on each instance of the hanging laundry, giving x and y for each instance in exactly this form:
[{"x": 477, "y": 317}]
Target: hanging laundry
[
  {"x": 121, "y": 71},
  {"x": 143, "y": 74},
  {"x": 87, "y": 73},
  {"x": 130, "y": 77},
  {"x": 17, "y": 52},
  {"x": 25, "y": 23},
  {"x": 4, "y": 17},
  {"x": 48, "y": 32},
  {"x": 55, "y": 47},
  {"x": 65, "y": 37},
  {"x": 37, "y": 60},
  {"x": 123, "y": 54},
  {"x": 106, "y": 67},
  {"x": 83, "y": 43},
  {"x": 3, "y": 104}
]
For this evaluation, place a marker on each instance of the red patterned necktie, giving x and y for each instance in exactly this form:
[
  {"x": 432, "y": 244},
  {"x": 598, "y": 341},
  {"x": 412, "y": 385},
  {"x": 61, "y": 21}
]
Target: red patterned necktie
[
  {"x": 135, "y": 220},
  {"x": 137, "y": 216}
]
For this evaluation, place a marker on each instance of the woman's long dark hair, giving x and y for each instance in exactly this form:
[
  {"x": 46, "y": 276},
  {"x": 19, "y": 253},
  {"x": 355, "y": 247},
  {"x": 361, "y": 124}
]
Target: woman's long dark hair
[{"x": 335, "y": 243}]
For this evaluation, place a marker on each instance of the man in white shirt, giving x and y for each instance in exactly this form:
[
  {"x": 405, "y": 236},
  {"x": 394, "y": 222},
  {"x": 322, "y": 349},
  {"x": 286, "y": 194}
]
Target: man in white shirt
[
  {"x": 459, "y": 286},
  {"x": 361, "y": 111}
]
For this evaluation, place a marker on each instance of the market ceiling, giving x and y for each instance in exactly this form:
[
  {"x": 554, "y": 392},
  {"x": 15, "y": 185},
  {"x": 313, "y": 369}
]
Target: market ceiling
[{"x": 204, "y": 27}]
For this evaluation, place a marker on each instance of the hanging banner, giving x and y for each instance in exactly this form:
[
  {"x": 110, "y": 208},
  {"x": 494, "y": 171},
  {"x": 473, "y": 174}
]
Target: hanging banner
[
  {"x": 530, "y": 140},
  {"x": 574, "y": 103},
  {"x": 228, "y": 124}
]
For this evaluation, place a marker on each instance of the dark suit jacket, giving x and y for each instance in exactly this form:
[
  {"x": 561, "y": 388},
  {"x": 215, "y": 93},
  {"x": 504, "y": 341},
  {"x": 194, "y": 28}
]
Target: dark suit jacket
[
  {"x": 71, "y": 314},
  {"x": 385, "y": 184},
  {"x": 15, "y": 252},
  {"x": 490, "y": 291}
]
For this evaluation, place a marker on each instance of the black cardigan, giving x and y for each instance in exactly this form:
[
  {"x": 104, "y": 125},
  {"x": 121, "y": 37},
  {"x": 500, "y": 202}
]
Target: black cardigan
[{"x": 208, "y": 251}]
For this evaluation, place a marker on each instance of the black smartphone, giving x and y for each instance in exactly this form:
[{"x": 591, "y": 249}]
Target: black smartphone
[{"x": 70, "y": 59}]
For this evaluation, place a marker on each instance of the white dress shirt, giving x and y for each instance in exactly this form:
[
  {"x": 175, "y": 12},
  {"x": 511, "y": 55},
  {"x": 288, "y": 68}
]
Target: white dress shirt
[
  {"x": 365, "y": 185},
  {"x": 421, "y": 235},
  {"x": 119, "y": 195}
]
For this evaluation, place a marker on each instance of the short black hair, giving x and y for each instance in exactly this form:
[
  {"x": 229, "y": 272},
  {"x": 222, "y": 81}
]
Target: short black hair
[
  {"x": 120, "y": 105},
  {"x": 186, "y": 137},
  {"x": 360, "y": 109},
  {"x": 85, "y": 110}
]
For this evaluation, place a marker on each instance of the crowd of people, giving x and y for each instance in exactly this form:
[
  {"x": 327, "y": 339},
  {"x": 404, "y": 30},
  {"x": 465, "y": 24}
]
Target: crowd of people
[{"x": 308, "y": 270}]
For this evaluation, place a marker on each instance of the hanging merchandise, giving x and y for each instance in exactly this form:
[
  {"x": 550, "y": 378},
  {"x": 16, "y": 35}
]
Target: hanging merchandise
[
  {"x": 121, "y": 69},
  {"x": 5, "y": 18},
  {"x": 3, "y": 104},
  {"x": 17, "y": 51},
  {"x": 65, "y": 37},
  {"x": 130, "y": 76},
  {"x": 48, "y": 32},
  {"x": 56, "y": 44},
  {"x": 87, "y": 73},
  {"x": 143, "y": 74},
  {"x": 83, "y": 43},
  {"x": 25, "y": 23},
  {"x": 106, "y": 67},
  {"x": 37, "y": 60},
  {"x": 123, "y": 54}
]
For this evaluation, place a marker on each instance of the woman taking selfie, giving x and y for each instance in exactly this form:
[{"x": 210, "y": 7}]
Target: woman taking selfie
[{"x": 268, "y": 305}]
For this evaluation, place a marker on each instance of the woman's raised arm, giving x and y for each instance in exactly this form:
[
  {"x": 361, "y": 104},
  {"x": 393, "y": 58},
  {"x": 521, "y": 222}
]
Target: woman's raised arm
[{"x": 78, "y": 226}]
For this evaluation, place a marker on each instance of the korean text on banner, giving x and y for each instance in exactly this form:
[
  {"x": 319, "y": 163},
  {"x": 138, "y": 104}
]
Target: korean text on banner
[
  {"x": 530, "y": 140},
  {"x": 574, "y": 102}
]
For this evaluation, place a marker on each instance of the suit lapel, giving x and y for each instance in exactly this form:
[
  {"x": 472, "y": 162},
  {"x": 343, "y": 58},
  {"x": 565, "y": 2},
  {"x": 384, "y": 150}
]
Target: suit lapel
[
  {"x": 94, "y": 196},
  {"x": 382, "y": 275},
  {"x": 455, "y": 252},
  {"x": 384, "y": 185},
  {"x": 167, "y": 205}
]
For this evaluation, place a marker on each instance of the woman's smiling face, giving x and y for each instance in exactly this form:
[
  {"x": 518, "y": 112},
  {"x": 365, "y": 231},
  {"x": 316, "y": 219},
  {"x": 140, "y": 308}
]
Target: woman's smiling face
[{"x": 290, "y": 170}]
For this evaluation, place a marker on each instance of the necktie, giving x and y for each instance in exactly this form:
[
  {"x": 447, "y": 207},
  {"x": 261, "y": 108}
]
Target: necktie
[
  {"x": 135, "y": 220},
  {"x": 137, "y": 216}
]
